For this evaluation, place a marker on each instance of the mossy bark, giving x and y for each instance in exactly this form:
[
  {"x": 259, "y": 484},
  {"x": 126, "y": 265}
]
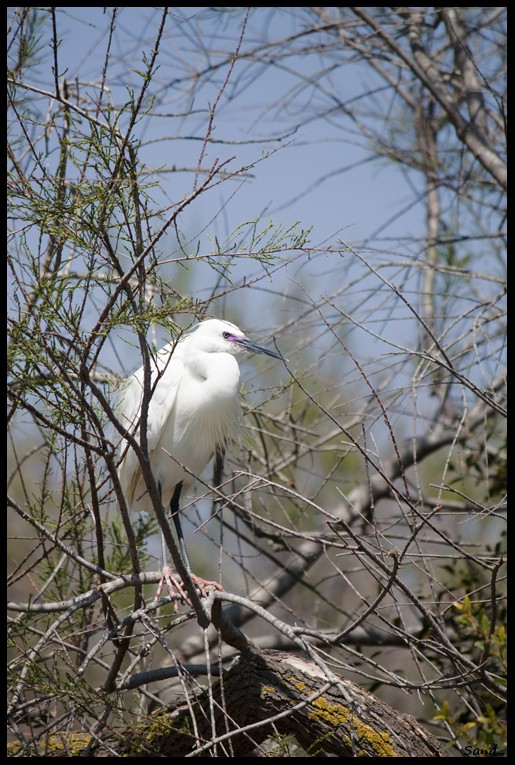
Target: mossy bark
[{"x": 275, "y": 692}]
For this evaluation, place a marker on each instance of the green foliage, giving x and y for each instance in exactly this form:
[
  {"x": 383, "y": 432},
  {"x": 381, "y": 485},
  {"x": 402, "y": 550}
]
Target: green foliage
[
  {"x": 484, "y": 732},
  {"x": 487, "y": 637},
  {"x": 329, "y": 516},
  {"x": 144, "y": 527},
  {"x": 31, "y": 49},
  {"x": 251, "y": 241},
  {"x": 480, "y": 726}
]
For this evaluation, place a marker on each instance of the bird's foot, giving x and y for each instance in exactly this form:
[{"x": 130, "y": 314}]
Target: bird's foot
[
  {"x": 176, "y": 588},
  {"x": 203, "y": 583},
  {"x": 173, "y": 585}
]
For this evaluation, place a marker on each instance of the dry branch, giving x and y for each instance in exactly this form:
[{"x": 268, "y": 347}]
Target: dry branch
[{"x": 266, "y": 693}]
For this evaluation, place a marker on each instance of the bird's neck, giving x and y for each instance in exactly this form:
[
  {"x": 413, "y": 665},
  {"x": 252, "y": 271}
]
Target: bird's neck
[{"x": 220, "y": 369}]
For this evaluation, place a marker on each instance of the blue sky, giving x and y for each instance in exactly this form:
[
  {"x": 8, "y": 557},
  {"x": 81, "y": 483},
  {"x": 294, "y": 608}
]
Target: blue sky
[
  {"x": 304, "y": 180},
  {"x": 317, "y": 173}
]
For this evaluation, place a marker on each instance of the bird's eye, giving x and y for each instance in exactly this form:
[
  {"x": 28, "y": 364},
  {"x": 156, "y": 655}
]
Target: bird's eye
[{"x": 226, "y": 335}]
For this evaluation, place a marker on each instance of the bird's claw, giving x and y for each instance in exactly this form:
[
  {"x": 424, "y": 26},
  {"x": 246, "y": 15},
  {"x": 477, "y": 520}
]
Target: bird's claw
[
  {"x": 176, "y": 588},
  {"x": 173, "y": 585},
  {"x": 203, "y": 583}
]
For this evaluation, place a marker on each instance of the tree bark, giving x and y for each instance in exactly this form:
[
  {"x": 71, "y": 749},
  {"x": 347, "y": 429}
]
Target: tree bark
[{"x": 263, "y": 693}]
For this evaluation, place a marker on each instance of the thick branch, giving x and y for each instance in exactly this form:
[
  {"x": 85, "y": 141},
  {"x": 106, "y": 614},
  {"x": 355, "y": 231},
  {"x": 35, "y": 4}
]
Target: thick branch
[
  {"x": 261, "y": 694},
  {"x": 422, "y": 67}
]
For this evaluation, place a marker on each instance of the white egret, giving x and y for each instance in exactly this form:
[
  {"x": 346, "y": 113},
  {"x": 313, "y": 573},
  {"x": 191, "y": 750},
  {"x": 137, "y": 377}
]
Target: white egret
[{"x": 194, "y": 408}]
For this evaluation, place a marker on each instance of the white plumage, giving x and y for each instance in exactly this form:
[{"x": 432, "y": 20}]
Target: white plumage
[{"x": 194, "y": 408}]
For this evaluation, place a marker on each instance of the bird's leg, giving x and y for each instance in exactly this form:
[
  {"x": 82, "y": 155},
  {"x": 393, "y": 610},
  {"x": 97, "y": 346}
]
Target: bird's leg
[
  {"x": 174, "y": 508},
  {"x": 173, "y": 585},
  {"x": 218, "y": 474},
  {"x": 219, "y": 466}
]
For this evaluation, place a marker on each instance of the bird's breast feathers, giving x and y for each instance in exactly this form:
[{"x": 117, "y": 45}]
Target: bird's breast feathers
[{"x": 193, "y": 409}]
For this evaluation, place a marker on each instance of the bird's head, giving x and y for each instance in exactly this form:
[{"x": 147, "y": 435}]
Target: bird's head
[{"x": 218, "y": 336}]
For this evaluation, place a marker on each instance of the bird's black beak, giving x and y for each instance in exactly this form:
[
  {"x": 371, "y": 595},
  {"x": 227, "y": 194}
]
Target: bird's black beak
[{"x": 249, "y": 345}]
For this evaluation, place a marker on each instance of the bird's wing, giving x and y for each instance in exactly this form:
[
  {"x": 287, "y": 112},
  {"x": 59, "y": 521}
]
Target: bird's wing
[
  {"x": 159, "y": 409},
  {"x": 163, "y": 401}
]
